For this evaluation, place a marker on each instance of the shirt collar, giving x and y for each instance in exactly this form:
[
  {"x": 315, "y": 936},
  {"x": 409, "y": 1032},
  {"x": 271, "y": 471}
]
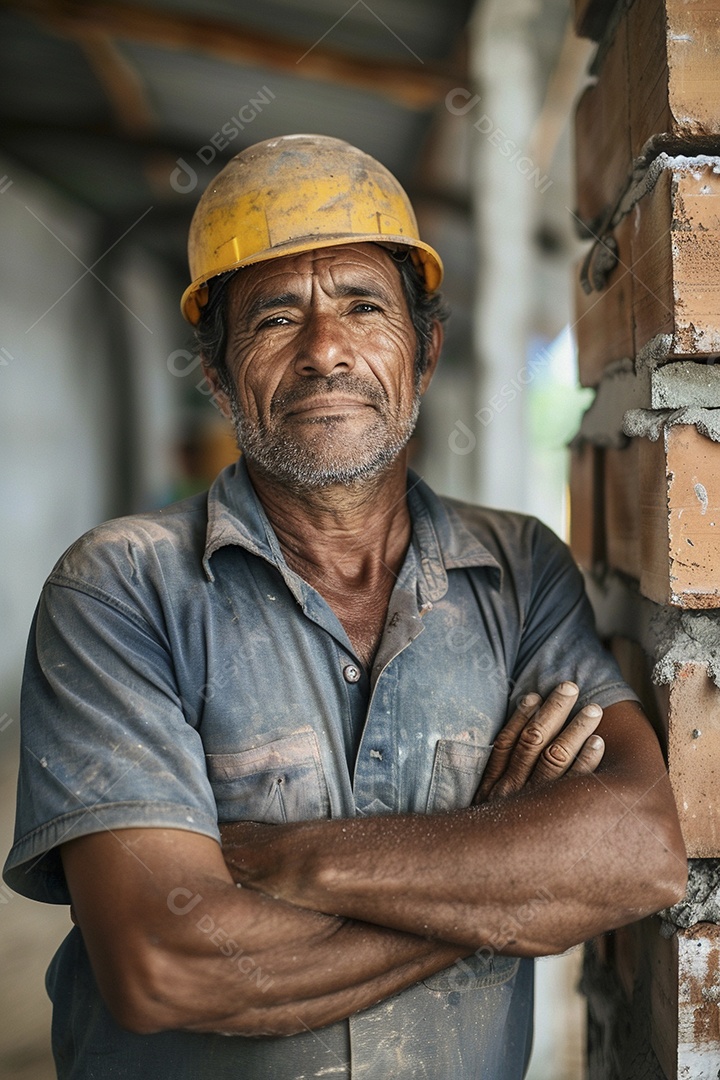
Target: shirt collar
[
  {"x": 236, "y": 516},
  {"x": 443, "y": 541}
]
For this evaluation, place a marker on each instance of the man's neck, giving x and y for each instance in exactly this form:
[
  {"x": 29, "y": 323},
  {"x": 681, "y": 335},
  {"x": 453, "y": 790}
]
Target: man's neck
[{"x": 348, "y": 542}]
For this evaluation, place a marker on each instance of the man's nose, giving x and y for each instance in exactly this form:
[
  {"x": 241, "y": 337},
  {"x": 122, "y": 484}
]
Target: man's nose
[{"x": 323, "y": 347}]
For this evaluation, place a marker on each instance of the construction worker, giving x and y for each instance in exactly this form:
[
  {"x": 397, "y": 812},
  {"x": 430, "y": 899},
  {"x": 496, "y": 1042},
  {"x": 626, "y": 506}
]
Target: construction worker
[{"x": 383, "y": 714}]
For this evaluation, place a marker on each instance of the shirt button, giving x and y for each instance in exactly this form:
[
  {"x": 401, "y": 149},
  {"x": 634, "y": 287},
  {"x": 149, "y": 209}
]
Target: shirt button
[{"x": 352, "y": 673}]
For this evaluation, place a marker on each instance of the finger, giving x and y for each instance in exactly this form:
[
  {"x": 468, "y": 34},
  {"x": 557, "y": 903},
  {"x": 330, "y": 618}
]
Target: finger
[
  {"x": 558, "y": 757},
  {"x": 504, "y": 744},
  {"x": 540, "y": 730},
  {"x": 589, "y": 757}
]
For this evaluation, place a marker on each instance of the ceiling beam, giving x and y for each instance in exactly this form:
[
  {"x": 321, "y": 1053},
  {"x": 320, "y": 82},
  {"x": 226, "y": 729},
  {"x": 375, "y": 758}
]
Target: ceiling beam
[
  {"x": 120, "y": 81},
  {"x": 413, "y": 85},
  {"x": 562, "y": 90}
]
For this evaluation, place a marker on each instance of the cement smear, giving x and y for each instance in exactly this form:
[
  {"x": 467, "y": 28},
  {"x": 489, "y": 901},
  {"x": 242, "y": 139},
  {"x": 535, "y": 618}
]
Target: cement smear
[
  {"x": 701, "y": 902},
  {"x": 651, "y": 423},
  {"x": 684, "y": 637}
]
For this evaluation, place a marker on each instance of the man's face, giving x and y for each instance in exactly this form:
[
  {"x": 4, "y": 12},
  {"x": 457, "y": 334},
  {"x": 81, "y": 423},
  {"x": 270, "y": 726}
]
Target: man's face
[{"x": 321, "y": 354}]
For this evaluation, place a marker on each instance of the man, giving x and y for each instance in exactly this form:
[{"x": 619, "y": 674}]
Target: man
[{"x": 319, "y": 656}]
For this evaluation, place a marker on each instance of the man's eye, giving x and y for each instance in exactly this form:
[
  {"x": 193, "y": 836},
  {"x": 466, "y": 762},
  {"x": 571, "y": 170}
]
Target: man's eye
[
  {"x": 274, "y": 320},
  {"x": 365, "y": 305}
]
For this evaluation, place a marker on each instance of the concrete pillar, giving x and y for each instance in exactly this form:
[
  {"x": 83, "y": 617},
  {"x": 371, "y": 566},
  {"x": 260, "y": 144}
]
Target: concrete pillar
[{"x": 503, "y": 59}]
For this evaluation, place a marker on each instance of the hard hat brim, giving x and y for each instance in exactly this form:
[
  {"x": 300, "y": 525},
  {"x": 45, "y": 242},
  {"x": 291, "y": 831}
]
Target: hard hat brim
[{"x": 423, "y": 255}]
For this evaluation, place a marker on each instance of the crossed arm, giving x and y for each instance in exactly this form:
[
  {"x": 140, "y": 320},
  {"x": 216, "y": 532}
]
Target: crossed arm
[{"x": 336, "y": 915}]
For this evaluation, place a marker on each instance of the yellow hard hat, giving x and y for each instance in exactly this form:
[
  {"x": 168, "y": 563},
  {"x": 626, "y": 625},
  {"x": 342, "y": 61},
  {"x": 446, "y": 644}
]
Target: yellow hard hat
[{"x": 293, "y": 194}]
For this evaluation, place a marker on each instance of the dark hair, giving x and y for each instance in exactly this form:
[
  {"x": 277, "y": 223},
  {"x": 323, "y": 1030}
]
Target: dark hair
[{"x": 425, "y": 309}]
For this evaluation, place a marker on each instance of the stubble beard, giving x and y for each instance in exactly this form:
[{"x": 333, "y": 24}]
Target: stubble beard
[{"x": 313, "y": 456}]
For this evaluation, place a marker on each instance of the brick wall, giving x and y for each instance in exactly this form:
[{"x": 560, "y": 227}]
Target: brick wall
[{"x": 645, "y": 483}]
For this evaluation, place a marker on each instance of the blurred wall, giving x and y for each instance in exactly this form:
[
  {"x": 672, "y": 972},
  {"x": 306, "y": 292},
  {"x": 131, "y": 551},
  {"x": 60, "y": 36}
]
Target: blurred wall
[
  {"x": 55, "y": 462},
  {"x": 70, "y": 410}
]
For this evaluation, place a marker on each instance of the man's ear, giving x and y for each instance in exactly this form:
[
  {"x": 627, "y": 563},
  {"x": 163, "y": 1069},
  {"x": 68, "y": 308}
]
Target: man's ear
[
  {"x": 433, "y": 354},
  {"x": 219, "y": 396}
]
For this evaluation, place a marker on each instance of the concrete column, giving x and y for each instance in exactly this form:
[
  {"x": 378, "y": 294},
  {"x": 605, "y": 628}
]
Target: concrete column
[{"x": 503, "y": 62}]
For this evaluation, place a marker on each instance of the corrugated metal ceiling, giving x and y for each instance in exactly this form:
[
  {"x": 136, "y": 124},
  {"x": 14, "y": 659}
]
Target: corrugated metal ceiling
[
  {"x": 103, "y": 98},
  {"x": 132, "y": 107}
]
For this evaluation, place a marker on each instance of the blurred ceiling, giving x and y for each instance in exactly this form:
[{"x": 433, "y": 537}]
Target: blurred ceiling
[
  {"x": 104, "y": 98},
  {"x": 131, "y": 106}
]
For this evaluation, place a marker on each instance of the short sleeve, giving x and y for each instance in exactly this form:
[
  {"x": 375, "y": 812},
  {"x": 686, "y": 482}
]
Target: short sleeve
[
  {"x": 105, "y": 743},
  {"x": 559, "y": 641}
]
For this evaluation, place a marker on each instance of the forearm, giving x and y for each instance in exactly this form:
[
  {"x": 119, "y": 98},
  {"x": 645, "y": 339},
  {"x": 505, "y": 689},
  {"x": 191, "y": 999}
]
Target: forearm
[
  {"x": 556, "y": 866},
  {"x": 310, "y": 980},
  {"x": 194, "y": 952},
  {"x": 301, "y": 969}
]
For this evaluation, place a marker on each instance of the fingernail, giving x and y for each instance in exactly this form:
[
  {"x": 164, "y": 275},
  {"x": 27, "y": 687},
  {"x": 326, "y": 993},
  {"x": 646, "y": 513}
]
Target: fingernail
[
  {"x": 530, "y": 699},
  {"x": 592, "y": 710},
  {"x": 567, "y": 688},
  {"x": 595, "y": 742}
]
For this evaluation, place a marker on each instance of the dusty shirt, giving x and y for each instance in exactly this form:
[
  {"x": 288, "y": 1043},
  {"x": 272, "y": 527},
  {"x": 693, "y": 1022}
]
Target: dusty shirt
[{"x": 179, "y": 673}]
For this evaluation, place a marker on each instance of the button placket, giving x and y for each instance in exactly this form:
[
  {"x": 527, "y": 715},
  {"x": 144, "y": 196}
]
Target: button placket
[{"x": 352, "y": 673}]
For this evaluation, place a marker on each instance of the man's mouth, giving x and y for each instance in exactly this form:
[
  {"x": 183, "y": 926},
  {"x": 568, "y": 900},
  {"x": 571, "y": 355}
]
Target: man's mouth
[
  {"x": 342, "y": 395},
  {"x": 330, "y": 405}
]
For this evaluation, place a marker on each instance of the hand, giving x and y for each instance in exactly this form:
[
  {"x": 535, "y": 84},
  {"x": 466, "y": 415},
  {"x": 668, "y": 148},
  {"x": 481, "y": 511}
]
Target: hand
[{"x": 535, "y": 747}]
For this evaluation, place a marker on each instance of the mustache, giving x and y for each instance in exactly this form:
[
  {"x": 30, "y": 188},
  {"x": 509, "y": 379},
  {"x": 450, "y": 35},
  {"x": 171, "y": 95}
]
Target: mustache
[{"x": 345, "y": 383}]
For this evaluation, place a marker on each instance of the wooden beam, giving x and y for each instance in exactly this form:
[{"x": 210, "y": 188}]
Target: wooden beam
[
  {"x": 561, "y": 91},
  {"x": 120, "y": 81},
  {"x": 413, "y": 85}
]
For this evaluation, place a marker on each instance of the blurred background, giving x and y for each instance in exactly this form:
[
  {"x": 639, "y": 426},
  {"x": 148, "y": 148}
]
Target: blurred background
[{"x": 115, "y": 115}]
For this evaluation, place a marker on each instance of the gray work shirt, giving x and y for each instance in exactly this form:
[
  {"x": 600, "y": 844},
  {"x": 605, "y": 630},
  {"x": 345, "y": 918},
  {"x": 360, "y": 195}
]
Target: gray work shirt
[{"x": 179, "y": 673}]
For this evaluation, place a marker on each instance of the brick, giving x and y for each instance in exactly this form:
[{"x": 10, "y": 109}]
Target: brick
[
  {"x": 661, "y": 957},
  {"x": 698, "y": 1031},
  {"x": 603, "y": 319},
  {"x": 626, "y": 953},
  {"x": 622, "y": 509},
  {"x": 679, "y": 498},
  {"x": 592, "y": 17},
  {"x": 621, "y": 514},
  {"x": 676, "y": 261},
  {"x": 686, "y": 718},
  {"x": 666, "y": 282},
  {"x": 651, "y": 246},
  {"x": 656, "y": 90},
  {"x": 673, "y": 72},
  {"x": 603, "y": 156},
  {"x": 634, "y": 1000},
  {"x": 661, "y": 997},
  {"x": 586, "y": 504},
  {"x": 636, "y": 669},
  {"x": 648, "y": 87},
  {"x": 691, "y": 716}
]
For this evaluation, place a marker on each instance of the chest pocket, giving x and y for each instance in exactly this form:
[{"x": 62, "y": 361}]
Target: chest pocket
[
  {"x": 456, "y": 773},
  {"x": 280, "y": 781}
]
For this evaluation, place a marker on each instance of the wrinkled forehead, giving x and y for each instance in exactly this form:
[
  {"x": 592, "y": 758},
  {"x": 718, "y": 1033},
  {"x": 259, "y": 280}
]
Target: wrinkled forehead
[{"x": 365, "y": 265}]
